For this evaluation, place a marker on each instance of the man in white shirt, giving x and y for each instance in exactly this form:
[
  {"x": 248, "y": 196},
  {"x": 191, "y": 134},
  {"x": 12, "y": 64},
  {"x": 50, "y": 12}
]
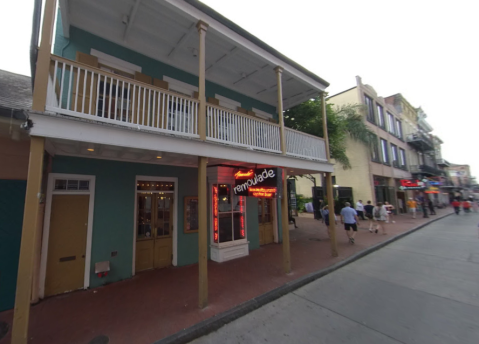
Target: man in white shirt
[{"x": 360, "y": 209}]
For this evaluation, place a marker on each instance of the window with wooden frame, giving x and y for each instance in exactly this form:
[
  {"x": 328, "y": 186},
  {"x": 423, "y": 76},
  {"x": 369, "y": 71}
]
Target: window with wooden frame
[{"x": 191, "y": 214}]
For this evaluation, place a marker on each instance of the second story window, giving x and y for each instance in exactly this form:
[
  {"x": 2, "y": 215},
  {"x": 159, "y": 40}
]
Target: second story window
[
  {"x": 370, "y": 109},
  {"x": 394, "y": 150},
  {"x": 399, "y": 129},
  {"x": 381, "y": 121},
  {"x": 384, "y": 151},
  {"x": 402, "y": 156},
  {"x": 391, "y": 124},
  {"x": 375, "y": 150}
]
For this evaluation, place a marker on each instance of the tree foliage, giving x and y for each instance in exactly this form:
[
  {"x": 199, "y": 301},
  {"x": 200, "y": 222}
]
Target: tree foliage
[{"x": 343, "y": 122}]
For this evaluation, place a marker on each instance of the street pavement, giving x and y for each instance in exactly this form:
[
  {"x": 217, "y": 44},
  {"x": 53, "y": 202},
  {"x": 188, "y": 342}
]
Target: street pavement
[{"x": 421, "y": 289}]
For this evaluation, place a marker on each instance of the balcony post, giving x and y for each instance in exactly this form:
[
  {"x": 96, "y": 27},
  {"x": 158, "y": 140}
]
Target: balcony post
[
  {"x": 329, "y": 181},
  {"x": 42, "y": 70},
  {"x": 285, "y": 224},
  {"x": 21, "y": 313},
  {"x": 202, "y": 182},
  {"x": 202, "y": 27},
  {"x": 279, "y": 73}
]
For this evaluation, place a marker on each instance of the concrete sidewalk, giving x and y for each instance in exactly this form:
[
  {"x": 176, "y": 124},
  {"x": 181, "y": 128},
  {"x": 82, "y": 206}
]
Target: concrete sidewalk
[
  {"x": 160, "y": 303},
  {"x": 421, "y": 289}
]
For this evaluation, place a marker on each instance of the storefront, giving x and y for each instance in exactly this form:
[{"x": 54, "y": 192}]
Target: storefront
[
  {"x": 243, "y": 205},
  {"x": 383, "y": 191}
]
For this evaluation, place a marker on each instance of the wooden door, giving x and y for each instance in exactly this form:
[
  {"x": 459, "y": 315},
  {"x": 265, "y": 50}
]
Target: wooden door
[
  {"x": 67, "y": 244},
  {"x": 145, "y": 243},
  {"x": 163, "y": 230},
  {"x": 154, "y": 243},
  {"x": 265, "y": 221}
]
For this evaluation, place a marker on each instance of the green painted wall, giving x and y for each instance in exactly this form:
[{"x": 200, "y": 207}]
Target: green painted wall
[
  {"x": 12, "y": 200},
  {"x": 113, "y": 219},
  {"x": 83, "y": 41}
]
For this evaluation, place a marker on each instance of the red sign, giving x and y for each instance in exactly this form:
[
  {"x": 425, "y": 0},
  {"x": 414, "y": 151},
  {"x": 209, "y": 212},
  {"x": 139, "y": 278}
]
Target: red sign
[
  {"x": 409, "y": 183},
  {"x": 244, "y": 174},
  {"x": 215, "y": 214},
  {"x": 262, "y": 192}
]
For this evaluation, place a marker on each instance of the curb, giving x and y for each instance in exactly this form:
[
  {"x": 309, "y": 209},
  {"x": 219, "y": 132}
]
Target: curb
[{"x": 214, "y": 323}]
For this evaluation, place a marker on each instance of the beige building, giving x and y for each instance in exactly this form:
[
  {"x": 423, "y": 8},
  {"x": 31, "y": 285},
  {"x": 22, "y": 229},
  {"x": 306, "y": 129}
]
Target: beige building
[{"x": 375, "y": 172}]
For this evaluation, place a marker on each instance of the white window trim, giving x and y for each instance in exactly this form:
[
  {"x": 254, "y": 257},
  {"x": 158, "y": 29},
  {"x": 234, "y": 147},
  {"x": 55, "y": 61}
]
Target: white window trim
[
  {"x": 115, "y": 62},
  {"x": 46, "y": 224},
  {"x": 175, "y": 216},
  {"x": 262, "y": 114},
  {"x": 180, "y": 86},
  {"x": 228, "y": 103}
]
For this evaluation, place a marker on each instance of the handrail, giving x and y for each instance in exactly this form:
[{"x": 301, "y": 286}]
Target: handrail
[
  {"x": 119, "y": 77},
  {"x": 222, "y": 108}
]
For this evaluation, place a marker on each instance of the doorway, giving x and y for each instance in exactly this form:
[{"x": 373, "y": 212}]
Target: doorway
[
  {"x": 265, "y": 221},
  {"x": 155, "y": 224},
  {"x": 67, "y": 235}
]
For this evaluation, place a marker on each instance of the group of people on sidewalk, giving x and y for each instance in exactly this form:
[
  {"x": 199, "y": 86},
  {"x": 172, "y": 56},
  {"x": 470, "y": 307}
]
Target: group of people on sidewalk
[
  {"x": 466, "y": 205},
  {"x": 377, "y": 216}
]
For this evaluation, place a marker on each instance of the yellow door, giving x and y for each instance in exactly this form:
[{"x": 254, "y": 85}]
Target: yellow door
[
  {"x": 154, "y": 243},
  {"x": 265, "y": 220},
  {"x": 67, "y": 243}
]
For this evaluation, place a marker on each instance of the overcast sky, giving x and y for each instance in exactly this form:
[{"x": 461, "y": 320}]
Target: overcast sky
[{"x": 426, "y": 50}]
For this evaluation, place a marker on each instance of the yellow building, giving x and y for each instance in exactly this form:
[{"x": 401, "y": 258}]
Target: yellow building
[{"x": 375, "y": 172}]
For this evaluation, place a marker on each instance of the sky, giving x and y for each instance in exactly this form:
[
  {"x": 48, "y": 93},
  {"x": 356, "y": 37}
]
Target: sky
[{"x": 427, "y": 50}]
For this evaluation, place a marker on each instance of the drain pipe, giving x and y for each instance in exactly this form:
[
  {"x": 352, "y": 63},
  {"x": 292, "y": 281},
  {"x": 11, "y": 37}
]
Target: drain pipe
[{"x": 37, "y": 14}]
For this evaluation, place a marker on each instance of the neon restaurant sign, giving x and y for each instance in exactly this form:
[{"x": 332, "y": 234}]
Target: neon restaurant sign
[
  {"x": 262, "y": 183},
  {"x": 407, "y": 184}
]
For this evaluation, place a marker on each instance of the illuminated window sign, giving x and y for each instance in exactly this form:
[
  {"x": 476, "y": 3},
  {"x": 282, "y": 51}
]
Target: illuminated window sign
[
  {"x": 228, "y": 214},
  {"x": 407, "y": 184},
  {"x": 215, "y": 214},
  {"x": 262, "y": 192},
  {"x": 256, "y": 182}
]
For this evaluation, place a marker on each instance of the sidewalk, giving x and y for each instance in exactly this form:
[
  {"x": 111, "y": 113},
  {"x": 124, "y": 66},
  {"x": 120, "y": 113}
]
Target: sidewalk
[{"x": 159, "y": 303}]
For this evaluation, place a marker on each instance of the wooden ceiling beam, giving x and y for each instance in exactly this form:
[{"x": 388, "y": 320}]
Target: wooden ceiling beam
[
  {"x": 131, "y": 19},
  {"x": 256, "y": 72},
  {"x": 182, "y": 41},
  {"x": 223, "y": 59}
]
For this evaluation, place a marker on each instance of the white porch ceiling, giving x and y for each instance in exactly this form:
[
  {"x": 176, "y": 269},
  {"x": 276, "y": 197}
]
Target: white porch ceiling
[{"x": 158, "y": 29}]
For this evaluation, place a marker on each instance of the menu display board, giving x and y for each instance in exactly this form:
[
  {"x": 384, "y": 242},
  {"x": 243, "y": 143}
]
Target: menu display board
[{"x": 191, "y": 214}]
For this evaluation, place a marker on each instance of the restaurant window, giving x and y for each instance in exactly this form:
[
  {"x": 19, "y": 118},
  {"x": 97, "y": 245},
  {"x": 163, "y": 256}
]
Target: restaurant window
[
  {"x": 394, "y": 151},
  {"x": 229, "y": 222},
  {"x": 384, "y": 151},
  {"x": 402, "y": 155},
  {"x": 391, "y": 124},
  {"x": 381, "y": 121},
  {"x": 369, "y": 104}
]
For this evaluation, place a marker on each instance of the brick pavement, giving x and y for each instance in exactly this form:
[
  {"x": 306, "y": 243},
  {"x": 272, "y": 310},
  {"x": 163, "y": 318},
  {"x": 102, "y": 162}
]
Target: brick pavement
[{"x": 158, "y": 303}]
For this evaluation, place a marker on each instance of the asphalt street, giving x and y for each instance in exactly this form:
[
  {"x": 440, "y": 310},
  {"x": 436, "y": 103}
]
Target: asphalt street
[{"x": 421, "y": 289}]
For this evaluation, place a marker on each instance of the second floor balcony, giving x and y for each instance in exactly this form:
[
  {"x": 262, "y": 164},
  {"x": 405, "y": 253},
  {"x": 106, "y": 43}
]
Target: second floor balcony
[
  {"x": 420, "y": 141},
  {"x": 426, "y": 170}
]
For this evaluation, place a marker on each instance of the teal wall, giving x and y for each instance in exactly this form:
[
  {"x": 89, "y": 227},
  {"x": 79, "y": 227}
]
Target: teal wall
[
  {"x": 83, "y": 41},
  {"x": 113, "y": 218},
  {"x": 12, "y": 200}
]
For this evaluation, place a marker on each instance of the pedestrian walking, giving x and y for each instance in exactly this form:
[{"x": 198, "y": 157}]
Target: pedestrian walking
[
  {"x": 412, "y": 205},
  {"x": 325, "y": 213},
  {"x": 380, "y": 215},
  {"x": 466, "y": 206},
  {"x": 422, "y": 201},
  {"x": 457, "y": 206},
  {"x": 431, "y": 208},
  {"x": 368, "y": 210},
  {"x": 475, "y": 207},
  {"x": 389, "y": 209},
  {"x": 349, "y": 218},
  {"x": 360, "y": 209}
]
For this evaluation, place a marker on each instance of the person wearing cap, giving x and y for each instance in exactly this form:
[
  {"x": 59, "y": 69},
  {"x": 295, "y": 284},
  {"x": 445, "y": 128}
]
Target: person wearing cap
[{"x": 412, "y": 205}]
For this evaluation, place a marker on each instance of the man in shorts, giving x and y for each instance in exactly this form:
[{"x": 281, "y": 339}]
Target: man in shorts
[{"x": 349, "y": 218}]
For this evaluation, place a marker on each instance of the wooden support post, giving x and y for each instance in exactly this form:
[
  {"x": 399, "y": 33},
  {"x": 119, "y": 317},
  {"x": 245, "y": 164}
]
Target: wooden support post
[
  {"x": 43, "y": 61},
  {"x": 329, "y": 181},
  {"x": 29, "y": 236},
  {"x": 202, "y": 27},
  {"x": 285, "y": 224},
  {"x": 279, "y": 73},
  {"x": 202, "y": 233}
]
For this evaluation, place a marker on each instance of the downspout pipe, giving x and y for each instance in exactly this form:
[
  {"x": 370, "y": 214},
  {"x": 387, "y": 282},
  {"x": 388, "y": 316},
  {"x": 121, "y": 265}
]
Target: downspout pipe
[{"x": 36, "y": 22}]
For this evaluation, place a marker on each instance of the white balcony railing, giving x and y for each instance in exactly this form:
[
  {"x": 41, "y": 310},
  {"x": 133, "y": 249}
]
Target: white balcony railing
[
  {"x": 90, "y": 93},
  {"x": 230, "y": 127},
  {"x": 81, "y": 91},
  {"x": 304, "y": 145}
]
